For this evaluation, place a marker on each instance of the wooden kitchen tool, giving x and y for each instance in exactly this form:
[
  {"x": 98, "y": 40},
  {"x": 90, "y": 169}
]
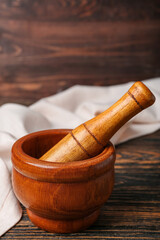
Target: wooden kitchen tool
[
  {"x": 91, "y": 137},
  {"x": 60, "y": 197}
]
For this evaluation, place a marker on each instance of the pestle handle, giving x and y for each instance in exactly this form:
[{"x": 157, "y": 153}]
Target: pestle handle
[{"x": 91, "y": 137}]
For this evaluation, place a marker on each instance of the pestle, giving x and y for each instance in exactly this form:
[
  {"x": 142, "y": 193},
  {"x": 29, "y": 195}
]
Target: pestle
[{"x": 91, "y": 137}]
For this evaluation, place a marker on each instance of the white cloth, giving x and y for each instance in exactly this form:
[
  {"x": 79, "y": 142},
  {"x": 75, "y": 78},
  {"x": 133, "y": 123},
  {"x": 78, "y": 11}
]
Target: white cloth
[{"x": 67, "y": 109}]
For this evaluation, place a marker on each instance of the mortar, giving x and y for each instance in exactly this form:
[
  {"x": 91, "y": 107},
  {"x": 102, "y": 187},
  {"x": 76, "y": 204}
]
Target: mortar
[{"x": 60, "y": 197}]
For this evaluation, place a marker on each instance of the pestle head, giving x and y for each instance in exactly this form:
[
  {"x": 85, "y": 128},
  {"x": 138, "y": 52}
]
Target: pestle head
[{"x": 141, "y": 94}]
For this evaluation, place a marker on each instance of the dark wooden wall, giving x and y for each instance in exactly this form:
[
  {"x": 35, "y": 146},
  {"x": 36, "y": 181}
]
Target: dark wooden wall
[{"x": 49, "y": 45}]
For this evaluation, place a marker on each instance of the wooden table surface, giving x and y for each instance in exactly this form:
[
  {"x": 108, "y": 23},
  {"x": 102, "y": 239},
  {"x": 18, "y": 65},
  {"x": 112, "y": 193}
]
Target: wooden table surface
[{"x": 132, "y": 211}]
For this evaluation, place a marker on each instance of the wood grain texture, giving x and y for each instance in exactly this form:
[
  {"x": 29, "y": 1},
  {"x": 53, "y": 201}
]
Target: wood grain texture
[
  {"x": 132, "y": 211},
  {"x": 48, "y": 46},
  {"x": 60, "y": 198},
  {"x": 89, "y": 139},
  {"x": 80, "y": 10}
]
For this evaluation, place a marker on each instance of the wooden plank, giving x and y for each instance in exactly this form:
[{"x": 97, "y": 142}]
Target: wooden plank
[
  {"x": 80, "y": 10},
  {"x": 40, "y": 60},
  {"x": 53, "y": 45}
]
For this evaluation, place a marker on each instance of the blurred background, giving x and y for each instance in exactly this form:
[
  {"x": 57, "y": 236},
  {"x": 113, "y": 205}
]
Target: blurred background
[{"x": 47, "y": 46}]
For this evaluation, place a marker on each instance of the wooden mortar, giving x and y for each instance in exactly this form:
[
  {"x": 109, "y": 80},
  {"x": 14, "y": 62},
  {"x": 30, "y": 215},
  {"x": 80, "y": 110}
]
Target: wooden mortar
[
  {"x": 65, "y": 196},
  {"x": 60, "y": 197}
]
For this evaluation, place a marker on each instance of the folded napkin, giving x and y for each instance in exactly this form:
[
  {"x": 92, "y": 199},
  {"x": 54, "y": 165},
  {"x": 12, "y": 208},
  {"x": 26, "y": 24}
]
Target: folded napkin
[{"x": 67, "y": 109}]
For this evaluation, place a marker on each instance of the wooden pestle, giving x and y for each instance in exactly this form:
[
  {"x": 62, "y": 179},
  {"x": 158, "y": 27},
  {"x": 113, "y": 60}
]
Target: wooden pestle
[{"x": 91, "y": 137}]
